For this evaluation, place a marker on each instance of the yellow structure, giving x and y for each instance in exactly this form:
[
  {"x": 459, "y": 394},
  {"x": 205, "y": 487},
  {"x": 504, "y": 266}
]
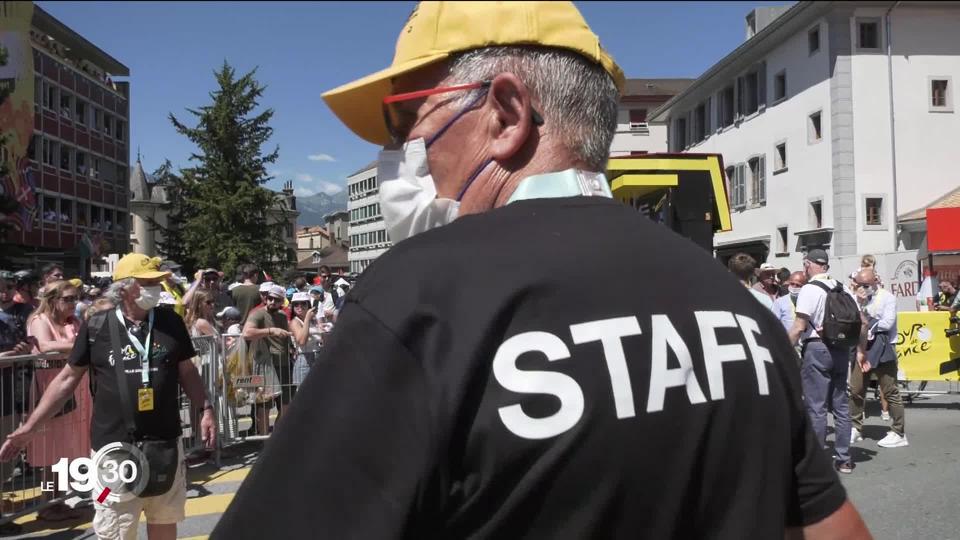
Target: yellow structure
[
  {"x": 924, "y": 352},
  {"x": 686, "y": 192}
]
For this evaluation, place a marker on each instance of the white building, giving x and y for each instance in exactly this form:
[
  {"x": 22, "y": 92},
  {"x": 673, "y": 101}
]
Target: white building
[
  {"x": 812, "y": 138},
  {"x": 367, "y": 232},
  {"x": 635, "y": 133}
]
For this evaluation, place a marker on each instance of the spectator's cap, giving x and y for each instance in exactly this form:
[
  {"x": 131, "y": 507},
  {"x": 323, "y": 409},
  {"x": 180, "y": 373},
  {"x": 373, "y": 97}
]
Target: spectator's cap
[
  {"x": 167, "y": 299},
  {"x": 767, "y": 267},
  {"x": 137, "y": 265},
  {"x": 207, "y": 271},
  {"x": 169, "y": 265},
  {"x": 291, "y": 291},
  {"x": 265, "y": 286},
  {"x": 77, "y": 283},
  {"x": 301, "y": 297},
  {"x": 342, "y": 283},
  {"x": 24, "y": 277},
  {"x": 437, "y": 30},
  {"x": 6, "y": 274},
  {"x": 275, "y": 291},
  {"x": 229, "y": 313},
  {"x": 316, "y": 289},
  {"x": 818, "y": 256}
]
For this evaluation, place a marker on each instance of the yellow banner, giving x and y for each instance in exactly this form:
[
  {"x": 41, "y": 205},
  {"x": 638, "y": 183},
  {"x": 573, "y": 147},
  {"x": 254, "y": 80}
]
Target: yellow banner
[
  {"x": 16, "y": 108},
  {"x": 924, "y": 352}
]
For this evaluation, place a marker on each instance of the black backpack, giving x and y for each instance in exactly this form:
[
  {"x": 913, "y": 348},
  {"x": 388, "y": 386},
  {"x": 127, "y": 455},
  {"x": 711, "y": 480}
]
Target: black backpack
[{"x": 841, "y": 318}]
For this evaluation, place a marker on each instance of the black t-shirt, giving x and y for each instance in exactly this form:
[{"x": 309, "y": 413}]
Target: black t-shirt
[
  {"x": 519, "y": 374},
  {"x": 170, "y": 345}
]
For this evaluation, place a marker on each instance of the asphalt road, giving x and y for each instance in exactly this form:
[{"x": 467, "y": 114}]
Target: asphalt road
[{"x": 911, "y": 492}]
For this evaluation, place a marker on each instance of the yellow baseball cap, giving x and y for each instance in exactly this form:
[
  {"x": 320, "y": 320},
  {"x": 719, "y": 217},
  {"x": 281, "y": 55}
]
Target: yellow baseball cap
[
  {"x": 137, "y": 265},
  {"x": 435, "y": 30}
]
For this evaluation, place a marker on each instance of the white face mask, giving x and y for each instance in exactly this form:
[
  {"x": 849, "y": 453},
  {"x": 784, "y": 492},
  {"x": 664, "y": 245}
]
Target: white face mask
[
  {"x": 794, "y": 291},
  {"x": 408, "y": 194},
  {"x": 149, "y": 297}
]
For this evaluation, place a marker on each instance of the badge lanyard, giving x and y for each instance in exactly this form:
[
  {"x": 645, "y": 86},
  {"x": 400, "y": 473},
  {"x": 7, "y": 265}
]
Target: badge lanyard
[{"x": 144, "y": 351}]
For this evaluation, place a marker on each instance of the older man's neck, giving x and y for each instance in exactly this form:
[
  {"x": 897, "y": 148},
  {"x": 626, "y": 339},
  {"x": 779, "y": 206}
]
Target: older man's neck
[{"x": 132, "y": 311}]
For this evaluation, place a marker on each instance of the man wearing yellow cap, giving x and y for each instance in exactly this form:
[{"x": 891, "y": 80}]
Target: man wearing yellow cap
[
  {"x": 138, "y": 357},
  {"x": 466, "y": 399}
]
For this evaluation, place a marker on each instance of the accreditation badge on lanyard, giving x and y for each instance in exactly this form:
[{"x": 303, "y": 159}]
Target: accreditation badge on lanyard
[{"x": 145, "y": 393}]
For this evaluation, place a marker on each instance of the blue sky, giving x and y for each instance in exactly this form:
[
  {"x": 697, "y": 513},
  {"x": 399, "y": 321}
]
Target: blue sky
[{"x": 302, "y": 49}]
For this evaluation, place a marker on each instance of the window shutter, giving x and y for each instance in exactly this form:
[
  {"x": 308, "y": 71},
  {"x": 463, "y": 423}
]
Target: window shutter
[
  {"x": 708, "y": 115},
  {"x": 762, "y": 195},
  {"x": 690, "y": 132},
  {"x": 762, "y": 85}
]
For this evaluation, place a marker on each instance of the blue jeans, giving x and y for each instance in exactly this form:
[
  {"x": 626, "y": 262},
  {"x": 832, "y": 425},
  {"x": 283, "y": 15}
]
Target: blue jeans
[{"x": 824, "y": 378}]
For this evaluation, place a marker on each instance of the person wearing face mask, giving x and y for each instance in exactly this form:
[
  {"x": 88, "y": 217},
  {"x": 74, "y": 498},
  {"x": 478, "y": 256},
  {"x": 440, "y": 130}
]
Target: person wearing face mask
[
  {"x": 463, "y": 399},
  {"x": 880, "y": 309},
  {"x": 785, "y": 307},
  {"x": 151, "y": 350}
]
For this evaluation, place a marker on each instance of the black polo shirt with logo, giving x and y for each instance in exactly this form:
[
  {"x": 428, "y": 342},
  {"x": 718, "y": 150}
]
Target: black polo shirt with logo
[
  {"x": 170, "y": 345},
  {"x": 555, "y": 368}
]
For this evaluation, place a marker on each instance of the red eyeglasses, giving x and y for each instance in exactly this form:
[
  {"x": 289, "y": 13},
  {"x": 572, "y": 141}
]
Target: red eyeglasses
[{"x": 400, "y": 121}]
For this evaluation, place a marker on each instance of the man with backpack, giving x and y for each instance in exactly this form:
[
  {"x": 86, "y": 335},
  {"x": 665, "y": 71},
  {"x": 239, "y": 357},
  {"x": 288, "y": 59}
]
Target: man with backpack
[{"x": 828, "y": 327}]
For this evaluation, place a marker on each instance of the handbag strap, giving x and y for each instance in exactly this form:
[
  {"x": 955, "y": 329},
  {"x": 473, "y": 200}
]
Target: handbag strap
[{"x": 122, "y": 383}]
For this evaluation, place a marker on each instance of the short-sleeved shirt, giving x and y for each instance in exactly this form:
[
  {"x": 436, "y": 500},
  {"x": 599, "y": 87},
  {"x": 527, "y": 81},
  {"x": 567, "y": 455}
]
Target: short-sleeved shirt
[
  {"x": 170, "y": 345},
  {"x": 465, "y": 400},
  {"x": 785, "y": 310},
  {"x": 264, "y": 318},
  {"x": 812, "y": 302},
  {"x": 245, "y": 298}
]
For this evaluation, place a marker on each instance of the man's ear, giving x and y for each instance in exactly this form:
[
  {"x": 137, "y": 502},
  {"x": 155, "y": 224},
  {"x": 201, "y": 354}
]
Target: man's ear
[{"x": 511, "y": 122}]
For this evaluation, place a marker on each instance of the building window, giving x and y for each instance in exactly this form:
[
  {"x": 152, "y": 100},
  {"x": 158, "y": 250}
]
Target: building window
[
  {"x": 81, "y": 111},
  {"x": 97, "y": 119},
  {"x": 868, "y": 34},
  {"x": 758, "y": 180},
  {"x": 814, "y": 133},
  {"x": 738, "y": 187},
  {"x": 749, "y": 98},
  {"x": 95, "y": 168},
  {"x": 783, "y": 243},
  {"x": 873, "y": 211},
  {"x": 33, "y": 147},
  {"x": 66, "y": 105},
  {"x": 37, "y": 91},
  {"x": 727, "y": 109},
  {"x": 51, "y": 100},
  {"x": 941, "y": 99},
  {"x": 780, "y": 158},
  {"x": 118, "y": 128},
  {"x": 700, "y": 122},
  {"x": 65, "y": 152},
  {"x": 816, "y": 214},
  {"x": 813, "y": 40},
  {"x": 80, "y": 162},
  {"x": 681, "y": 133},
  {"x": 638, "y": 122},
  {"x": 780, "y": 85},
  {"x": 49, "y": 152},
  {"x": 107, "y": 124}
]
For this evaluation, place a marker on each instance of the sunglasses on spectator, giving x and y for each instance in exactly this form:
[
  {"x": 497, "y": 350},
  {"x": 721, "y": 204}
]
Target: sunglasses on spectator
[
  {"x": 272, "y": 299},
  {"x": 68, "y": 299}
]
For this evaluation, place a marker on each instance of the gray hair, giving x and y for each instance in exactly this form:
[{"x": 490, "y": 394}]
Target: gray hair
[
  {"x": 577, "y": 97},
  {"x": 113, "y": 292}
]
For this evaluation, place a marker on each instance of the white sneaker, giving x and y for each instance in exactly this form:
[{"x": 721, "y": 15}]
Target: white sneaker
[
  {"x": 885, "y": 416},
  {"x": 892, "y": 440},
  {"x": 855, "y": 436}
]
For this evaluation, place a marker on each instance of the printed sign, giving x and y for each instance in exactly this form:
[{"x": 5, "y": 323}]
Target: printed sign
[{"x": 924, "y": 351}]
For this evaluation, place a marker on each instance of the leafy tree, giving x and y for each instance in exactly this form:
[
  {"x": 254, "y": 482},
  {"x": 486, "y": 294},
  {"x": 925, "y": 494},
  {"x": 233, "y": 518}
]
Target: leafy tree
[{"x": 224, "y": 217}]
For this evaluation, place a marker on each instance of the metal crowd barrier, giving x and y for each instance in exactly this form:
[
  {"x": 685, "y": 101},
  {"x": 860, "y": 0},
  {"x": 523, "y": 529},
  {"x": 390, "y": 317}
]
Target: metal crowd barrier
[
  {"x": 247, "y": 393},
  {"x": 23, "y": 379}
]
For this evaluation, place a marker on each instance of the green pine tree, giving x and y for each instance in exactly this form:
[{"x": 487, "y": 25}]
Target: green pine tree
[{"x": 224, "y": 218}]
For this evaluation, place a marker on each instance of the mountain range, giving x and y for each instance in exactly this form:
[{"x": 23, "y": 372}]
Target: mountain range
[{"x": 313, "y": 208}]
